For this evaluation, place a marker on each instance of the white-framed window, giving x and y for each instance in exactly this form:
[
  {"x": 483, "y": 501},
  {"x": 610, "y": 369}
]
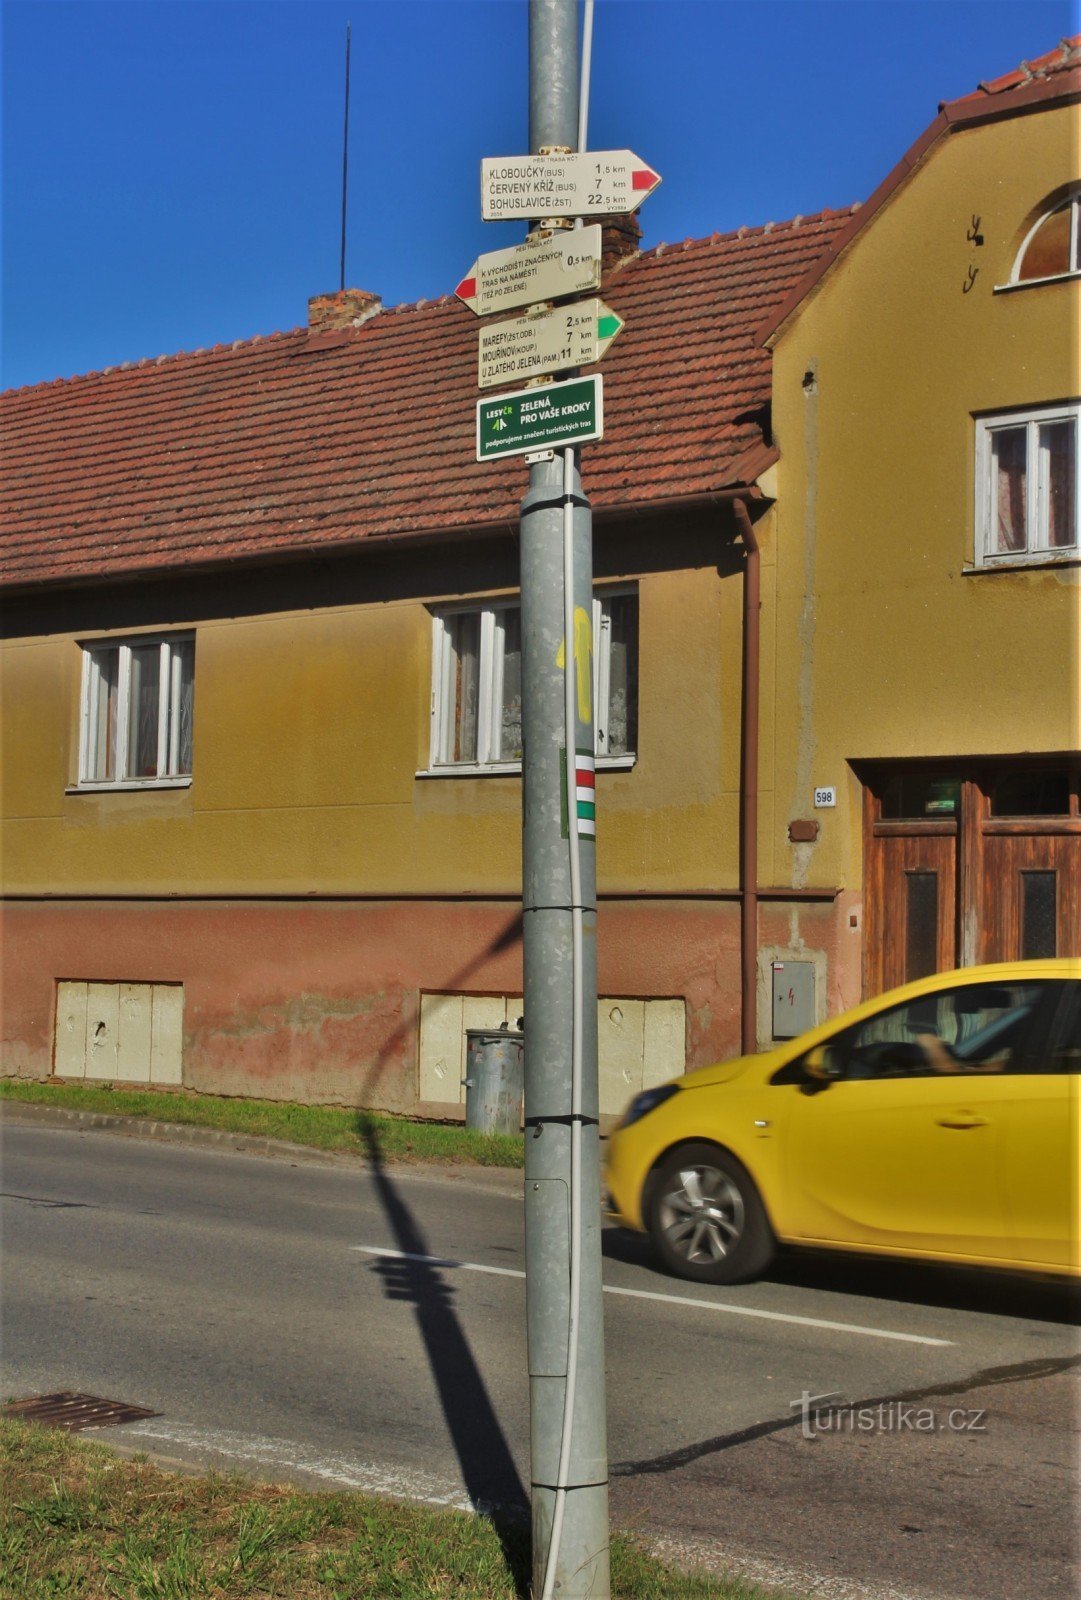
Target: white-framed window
[
  {"x": 477, "y": 683},
  {"x": 137, "y": 712},
  {"x": 1052, "y": 246},
  {"x": 615, "y": 672},
  {"x": 1026, "y": 486}
]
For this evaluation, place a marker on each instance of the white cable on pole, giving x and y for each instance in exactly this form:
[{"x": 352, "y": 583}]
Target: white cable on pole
[
  {"x": 583, "y": 78},
  {"x": 571, "y": 667}
]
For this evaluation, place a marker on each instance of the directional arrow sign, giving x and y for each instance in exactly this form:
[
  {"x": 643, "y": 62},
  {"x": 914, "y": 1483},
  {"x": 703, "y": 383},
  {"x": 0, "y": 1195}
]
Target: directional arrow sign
[
  {"x": 592, "y": 183},
  {"x": 528, "y": 347},
  {"x": 543, "y": 268}
]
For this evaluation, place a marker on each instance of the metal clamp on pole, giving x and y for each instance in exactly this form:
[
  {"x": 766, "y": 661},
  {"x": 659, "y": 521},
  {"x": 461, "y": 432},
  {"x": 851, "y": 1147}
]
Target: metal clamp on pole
[{"x": 565, "y": 497}]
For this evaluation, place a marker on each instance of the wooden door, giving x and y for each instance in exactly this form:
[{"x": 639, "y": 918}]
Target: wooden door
[
  {"x": 911, "y": 904},
  {"x": 1031, "y": 894}
]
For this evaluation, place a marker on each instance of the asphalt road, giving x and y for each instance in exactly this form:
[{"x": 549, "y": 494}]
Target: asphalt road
[{"x": 258, "y": 1305}]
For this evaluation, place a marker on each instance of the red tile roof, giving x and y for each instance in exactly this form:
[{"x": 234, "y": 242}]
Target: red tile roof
[
  {"x": 294, "y": 443},
  {"x": 1066, "y": 57},
  {"x": 1034, "y": 85}
]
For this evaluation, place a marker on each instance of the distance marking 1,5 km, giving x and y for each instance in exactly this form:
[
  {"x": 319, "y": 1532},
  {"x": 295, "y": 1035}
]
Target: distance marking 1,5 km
[{"x": 592, "y": 183}]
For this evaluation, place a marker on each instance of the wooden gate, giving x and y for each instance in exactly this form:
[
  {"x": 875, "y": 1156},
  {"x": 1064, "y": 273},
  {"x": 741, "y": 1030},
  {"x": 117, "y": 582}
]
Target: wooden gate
[{"x": 967, "y": 863}]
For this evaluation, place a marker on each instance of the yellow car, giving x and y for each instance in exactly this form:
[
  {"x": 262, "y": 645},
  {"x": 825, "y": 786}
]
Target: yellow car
[{"x": 940, "y": 1120}]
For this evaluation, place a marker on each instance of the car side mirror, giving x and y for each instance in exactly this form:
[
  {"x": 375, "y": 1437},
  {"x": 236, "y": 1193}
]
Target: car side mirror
[{"x": 822, "y": 1065}]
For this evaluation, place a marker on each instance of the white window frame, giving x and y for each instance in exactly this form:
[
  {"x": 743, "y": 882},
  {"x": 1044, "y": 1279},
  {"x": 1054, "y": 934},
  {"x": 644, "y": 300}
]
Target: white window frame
[
  {"x": 1073, "y": 270},
  {"x": 1037, "y": 510},
  {"x": 168, "y": 712},
  {"x": 602, "y": 666},
  {"x": 490, "y": 688},
  {"x": 490, "y": 692}
]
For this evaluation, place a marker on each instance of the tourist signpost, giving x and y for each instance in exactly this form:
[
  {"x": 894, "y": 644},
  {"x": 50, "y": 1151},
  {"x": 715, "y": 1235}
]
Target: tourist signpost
[
  {"x": 586, "y": 183},
  {"x": 545, "y": 341},
  {"x": 545, "y": 267},
  {"x": 552, "y": 189}
]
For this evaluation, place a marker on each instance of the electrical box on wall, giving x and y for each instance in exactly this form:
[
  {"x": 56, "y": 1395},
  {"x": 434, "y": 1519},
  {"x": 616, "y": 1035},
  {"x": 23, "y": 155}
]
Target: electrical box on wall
[{"x": 793, "y": 998}]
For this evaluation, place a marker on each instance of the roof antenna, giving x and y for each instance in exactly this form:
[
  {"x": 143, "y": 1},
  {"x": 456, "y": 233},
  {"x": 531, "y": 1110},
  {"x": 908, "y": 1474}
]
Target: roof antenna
[{"x": 345, "y": 153}]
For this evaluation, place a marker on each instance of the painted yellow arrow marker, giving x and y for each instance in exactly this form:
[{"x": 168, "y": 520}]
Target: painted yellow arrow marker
[{"x": 583, "y": 662}]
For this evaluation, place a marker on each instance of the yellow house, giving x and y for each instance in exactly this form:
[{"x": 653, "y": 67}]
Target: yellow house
[
  {"x": 927, "y": 604},
  {"x": 261, "y": 715},
  {"x": 262, "y": 711}
]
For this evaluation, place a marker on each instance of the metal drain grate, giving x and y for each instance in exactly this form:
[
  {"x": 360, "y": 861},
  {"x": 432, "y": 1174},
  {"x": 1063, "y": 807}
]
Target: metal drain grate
[{"x": 73, "y": 1412}]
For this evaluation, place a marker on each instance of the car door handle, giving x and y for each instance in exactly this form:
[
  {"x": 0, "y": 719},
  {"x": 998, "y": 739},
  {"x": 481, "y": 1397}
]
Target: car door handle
[{"x": 962, "y": 1119}]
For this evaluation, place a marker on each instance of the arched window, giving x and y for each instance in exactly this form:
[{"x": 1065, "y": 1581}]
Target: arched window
[{"x": 1051, "y": 248}]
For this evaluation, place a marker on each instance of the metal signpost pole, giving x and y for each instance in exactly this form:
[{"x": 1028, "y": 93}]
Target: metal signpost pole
[{"x": 569, "y": 1467}]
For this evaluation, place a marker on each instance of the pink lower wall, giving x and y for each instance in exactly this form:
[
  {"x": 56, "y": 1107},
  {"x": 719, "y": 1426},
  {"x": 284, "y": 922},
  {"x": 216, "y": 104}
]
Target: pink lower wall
[{"x": 319, "y": 1001}]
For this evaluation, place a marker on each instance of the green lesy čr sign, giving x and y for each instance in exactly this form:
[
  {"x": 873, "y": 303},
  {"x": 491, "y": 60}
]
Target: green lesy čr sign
[{"x": 543, "y": 418}]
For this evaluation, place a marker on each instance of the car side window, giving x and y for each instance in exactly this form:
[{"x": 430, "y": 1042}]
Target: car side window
[
  {"x": 1056, "y": 1044},
  {"x": 973, "y": 1028}
]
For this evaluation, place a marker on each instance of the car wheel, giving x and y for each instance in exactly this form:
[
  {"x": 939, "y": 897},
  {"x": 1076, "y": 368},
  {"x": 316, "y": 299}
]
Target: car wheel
[{"x": 705, "y": 1218}]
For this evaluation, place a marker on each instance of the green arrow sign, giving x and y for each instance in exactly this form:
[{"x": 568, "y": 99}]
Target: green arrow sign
[{"x": 548, "y": 341}]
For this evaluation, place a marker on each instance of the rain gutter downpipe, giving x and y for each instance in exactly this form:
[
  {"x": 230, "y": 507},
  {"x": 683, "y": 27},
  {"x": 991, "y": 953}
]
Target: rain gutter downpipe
[{"x": 748, "y": 799}]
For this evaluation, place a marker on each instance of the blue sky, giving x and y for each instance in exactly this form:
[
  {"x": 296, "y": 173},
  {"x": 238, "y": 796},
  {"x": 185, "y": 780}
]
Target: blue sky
[{"x": 172, "y": 170}]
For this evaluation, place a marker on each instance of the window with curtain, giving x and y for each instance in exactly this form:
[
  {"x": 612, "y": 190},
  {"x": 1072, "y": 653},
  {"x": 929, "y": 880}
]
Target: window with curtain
[
  {"x": 477, "y": 683},
  {"x": 1026, "y": 486},
  {"x": 137, "y": 701}
]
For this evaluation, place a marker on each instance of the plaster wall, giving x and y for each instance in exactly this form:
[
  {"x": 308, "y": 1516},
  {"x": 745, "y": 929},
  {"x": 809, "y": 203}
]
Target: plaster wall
[
  {"x": 320, "y": 1001},
  {"x": 311, "y": 731},
  {"x": 888, "y": 643}
]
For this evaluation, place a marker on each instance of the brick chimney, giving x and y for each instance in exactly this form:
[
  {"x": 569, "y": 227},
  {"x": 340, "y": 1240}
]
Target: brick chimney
[
  {"x": 621, "y": 238},
  {"x": 346, "y": 308}
]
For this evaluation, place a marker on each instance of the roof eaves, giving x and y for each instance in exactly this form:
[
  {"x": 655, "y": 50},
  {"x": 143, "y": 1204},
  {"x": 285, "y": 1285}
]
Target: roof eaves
[
  {"x": 754, "y": 462},
  {"x": 736, "y": 483},
  {"x": 350, "y": 544}
]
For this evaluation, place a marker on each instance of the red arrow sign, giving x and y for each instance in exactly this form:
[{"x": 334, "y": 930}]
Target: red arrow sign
[{"x": 582, "y": 183}]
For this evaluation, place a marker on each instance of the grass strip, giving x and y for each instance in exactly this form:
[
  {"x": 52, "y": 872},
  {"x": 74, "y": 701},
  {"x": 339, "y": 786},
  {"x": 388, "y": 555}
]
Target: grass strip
[
  {"x": 364, "y": 1133},
  {"x": 78, "y": 1521}
]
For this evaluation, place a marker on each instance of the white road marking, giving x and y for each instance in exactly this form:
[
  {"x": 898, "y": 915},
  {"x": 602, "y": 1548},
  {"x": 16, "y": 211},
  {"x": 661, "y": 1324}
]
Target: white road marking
[
  {"x": 286, "y": 1455},
  {"x": 439, "y": 1261},
  {"x": 673, "y": 1299},
  {"x": 782, "y": 1316}
]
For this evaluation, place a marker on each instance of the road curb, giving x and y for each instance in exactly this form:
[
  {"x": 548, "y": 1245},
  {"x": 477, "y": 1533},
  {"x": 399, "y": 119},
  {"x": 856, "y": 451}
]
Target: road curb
[{"x": 26, "y": 1113}]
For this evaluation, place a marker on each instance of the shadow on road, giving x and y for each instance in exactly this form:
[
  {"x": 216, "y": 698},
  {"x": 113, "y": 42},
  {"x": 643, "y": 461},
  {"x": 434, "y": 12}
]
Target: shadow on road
[
  {"x": 488, "y": 1468},
  {"x": 1000, "y": 1294},
  {"x": 985, "y": 1378}
]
